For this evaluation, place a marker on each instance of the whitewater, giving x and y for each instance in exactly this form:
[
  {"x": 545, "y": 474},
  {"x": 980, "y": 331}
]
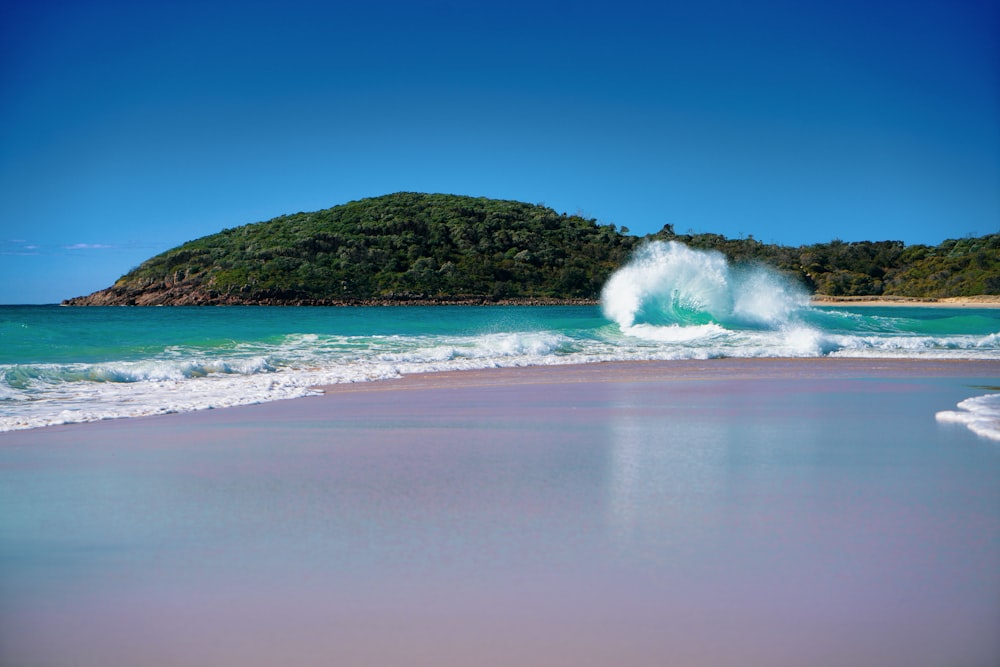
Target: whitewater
[{"x": 65, "y": 365}]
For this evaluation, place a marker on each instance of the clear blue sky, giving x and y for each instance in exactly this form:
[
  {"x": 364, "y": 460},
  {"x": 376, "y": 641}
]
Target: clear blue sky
[{"x": 129, "y": 127}]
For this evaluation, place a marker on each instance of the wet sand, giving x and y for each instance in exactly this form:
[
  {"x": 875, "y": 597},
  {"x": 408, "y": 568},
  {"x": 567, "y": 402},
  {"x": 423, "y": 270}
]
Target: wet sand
[{"x": 751, "y": 512}]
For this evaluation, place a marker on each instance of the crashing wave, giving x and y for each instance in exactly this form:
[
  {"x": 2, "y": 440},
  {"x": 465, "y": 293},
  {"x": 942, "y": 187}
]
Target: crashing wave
[{"x": 667, "y": 284}]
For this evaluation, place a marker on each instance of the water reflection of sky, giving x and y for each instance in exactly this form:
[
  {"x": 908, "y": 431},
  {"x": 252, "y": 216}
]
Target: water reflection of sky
[{"x": 791, "y": 518}]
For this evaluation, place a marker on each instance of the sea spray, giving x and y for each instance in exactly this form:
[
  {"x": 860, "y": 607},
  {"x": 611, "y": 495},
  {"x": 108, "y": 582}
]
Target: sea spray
[{"x": 667, "y": 284}]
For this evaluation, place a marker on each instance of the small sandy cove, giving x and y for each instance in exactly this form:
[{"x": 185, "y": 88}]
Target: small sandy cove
[{"x": 980, "y": 301}]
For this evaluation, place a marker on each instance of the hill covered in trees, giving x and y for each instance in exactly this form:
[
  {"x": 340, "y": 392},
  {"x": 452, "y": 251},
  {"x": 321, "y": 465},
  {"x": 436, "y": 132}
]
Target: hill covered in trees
[
  {"x": 434, "y": 248},
  {"x": 955, "y": 268}
]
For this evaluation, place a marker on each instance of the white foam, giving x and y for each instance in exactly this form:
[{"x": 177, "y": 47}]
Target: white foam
[
  {"x": 803, "y": 341},
  {"x": 980, "y": 414},
  {"x": 674, "y": 333},
  {"x": 896, "y": 346},
  {"x": 666, "y": 276},
  {"x": 765, "y": 298},
  {"x": 669, "y": 283}
]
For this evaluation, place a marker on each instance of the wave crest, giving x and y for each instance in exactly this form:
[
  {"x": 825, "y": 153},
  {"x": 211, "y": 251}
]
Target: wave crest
[{"x": 668, "y": 283}]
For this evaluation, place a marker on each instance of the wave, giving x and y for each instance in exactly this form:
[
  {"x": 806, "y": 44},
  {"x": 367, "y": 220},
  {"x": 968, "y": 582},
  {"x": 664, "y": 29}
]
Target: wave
[
  {"x": 675, "y": 295},
  {"x": 669, "y": 284},
  {"x": 294, "y": 365},
  {"x": 980, "y": 414},
  {"x": 697, "y": 304},
  {"x": 26, "y": 376}
]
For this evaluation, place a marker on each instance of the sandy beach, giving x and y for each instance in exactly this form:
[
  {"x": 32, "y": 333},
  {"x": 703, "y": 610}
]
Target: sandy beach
[
  {"x": 982, "y": 301},
  {"x": 754, "y": 512}
]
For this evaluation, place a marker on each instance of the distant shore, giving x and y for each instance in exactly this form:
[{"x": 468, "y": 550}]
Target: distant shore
[
  {"x": 981, "y": 301},
  {"x": 113, "y": 298}
]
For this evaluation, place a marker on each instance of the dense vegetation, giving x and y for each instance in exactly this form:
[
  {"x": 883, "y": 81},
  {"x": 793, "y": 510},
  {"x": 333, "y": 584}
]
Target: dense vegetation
[
  {"x": 410, "y": 247},
  {"x": 401, "y": 247},
  {"x": 962, "y": 267}
]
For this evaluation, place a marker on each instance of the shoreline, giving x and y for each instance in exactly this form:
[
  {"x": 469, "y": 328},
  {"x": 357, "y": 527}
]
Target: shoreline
[
  {"x": 598, "y": 373},
  {"x": 682, "y": 370}
]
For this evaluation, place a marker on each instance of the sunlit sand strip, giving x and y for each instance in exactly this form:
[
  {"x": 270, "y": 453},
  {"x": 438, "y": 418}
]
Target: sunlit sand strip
[
  {"x": 981, "y": 301},
  {"x": 682, "y": 370}
]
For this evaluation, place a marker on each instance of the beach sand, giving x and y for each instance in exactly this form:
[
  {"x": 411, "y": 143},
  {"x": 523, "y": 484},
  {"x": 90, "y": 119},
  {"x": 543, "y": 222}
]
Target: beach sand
[
  {"x": 981, "y": 301},
  {"x": 750, "y": 512}
]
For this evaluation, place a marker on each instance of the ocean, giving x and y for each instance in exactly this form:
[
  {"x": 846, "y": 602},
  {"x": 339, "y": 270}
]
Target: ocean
[{"x": 63, "y": 365}]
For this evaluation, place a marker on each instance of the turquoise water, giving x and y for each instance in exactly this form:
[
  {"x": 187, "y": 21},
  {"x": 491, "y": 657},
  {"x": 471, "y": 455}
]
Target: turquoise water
[{"x": 64, "y": 365}]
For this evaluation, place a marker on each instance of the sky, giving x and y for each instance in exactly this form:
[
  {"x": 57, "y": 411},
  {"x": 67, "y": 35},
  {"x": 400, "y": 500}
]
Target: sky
[{"x": 127, "y": 128}]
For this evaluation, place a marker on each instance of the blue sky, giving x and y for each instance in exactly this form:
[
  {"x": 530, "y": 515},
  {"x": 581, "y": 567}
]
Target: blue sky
[{"x": 128, "y": 127}]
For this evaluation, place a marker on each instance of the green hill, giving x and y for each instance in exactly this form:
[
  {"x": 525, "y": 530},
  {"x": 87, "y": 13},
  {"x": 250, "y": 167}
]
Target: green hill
[
  {"x": 434, "y": 248},
  {"x": 404, "y": 247}
]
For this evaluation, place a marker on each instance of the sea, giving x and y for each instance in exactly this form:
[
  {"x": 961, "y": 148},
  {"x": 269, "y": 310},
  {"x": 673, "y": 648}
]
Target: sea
[{"x": 61, "y": 365}]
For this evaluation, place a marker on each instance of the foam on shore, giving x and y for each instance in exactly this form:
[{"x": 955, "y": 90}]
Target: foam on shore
[{"x": 981, "y": 414}]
